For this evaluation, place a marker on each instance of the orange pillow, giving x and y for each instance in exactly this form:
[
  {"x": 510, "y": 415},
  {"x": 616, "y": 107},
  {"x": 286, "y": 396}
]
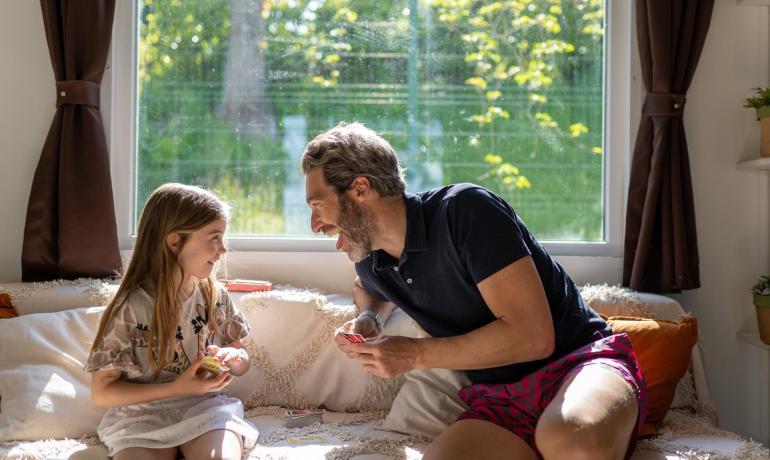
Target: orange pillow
[
  {"x": 663, "y": 349},
  {"x": 7, "y": 309}
]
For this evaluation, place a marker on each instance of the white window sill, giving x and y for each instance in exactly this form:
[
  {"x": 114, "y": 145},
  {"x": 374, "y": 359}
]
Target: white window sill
[{"x": 332, "y": 271}]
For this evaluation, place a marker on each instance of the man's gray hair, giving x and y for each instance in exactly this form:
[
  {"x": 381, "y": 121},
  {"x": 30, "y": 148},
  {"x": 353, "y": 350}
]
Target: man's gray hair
[{"x": 349, "y": 150}]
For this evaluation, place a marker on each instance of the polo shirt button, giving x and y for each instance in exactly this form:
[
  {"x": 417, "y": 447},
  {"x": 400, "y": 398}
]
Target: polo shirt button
[
  {"x": 409, "y": 280},
  {"x": 395, "y": 268}
]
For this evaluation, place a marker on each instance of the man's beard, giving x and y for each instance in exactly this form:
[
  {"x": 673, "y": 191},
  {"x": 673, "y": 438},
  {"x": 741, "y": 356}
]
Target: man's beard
[{"x": 356, "y": 228}]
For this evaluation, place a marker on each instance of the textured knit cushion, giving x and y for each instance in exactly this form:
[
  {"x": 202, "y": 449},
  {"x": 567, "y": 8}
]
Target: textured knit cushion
[
  {"x": 663, "y": 349},
  {"x": 58, "y": 295},
  {"x": 294, "y": 360}
]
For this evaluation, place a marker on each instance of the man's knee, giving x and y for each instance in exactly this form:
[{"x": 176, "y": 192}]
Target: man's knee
[
  {"x": 575, "y": 437},
  {"x": 225, "y": 453},
  {"x": 476, "y": 439},
  {"x": 445, "y": 449}
]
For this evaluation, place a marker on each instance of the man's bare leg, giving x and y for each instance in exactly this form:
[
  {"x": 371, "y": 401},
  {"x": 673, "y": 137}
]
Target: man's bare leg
[
  {"x": 168, "y": 453},
  {"x": 591, "y": 417},
  {"x": 478, "y": 439}
]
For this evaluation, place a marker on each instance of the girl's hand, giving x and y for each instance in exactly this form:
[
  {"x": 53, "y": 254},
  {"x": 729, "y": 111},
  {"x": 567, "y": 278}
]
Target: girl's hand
[
  {"x": 228, "y": 355},
  {"x": 192, "y": 382},
  {"x": 235, "y": 358}
]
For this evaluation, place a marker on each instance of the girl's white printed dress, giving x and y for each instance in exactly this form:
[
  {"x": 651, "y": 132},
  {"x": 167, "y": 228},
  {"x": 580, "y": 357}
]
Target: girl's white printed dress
[{"x": 169, "y": 422}]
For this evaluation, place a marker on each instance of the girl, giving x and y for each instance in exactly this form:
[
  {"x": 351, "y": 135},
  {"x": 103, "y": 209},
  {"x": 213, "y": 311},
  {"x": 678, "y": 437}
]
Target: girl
[{"x": 145, "y": 359}]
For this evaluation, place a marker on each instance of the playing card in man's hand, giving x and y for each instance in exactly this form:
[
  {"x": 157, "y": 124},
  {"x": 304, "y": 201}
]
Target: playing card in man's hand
[{"x": 355, "y": 338}]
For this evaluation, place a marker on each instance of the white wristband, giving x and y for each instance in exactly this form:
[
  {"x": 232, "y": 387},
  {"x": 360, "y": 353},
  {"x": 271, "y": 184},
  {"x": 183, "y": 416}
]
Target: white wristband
[{"x": 374, "y": 316}]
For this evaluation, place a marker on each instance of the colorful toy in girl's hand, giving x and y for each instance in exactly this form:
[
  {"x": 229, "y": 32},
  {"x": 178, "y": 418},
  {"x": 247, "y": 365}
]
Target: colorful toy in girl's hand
[{"x": 212, "y": 364}]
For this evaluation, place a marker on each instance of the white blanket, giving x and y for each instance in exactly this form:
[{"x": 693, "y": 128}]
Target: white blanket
[{"x": 359, "y": 436}]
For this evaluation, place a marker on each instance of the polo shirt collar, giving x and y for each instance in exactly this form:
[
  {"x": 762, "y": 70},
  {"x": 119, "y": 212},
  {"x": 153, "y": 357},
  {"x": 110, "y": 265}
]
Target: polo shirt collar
[{"x": 415, "y": 240}]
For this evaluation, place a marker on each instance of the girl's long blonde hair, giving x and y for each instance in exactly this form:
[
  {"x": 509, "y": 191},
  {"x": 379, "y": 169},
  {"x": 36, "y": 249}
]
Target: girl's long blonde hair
[{"x": 172, "y": 208}]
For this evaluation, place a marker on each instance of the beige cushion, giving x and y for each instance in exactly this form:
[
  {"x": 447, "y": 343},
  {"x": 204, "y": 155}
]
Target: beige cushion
[
  {"x": 44, "y": 391},
  {"x": 428, "y": 402},
  {"x": 295, "y": 362}
]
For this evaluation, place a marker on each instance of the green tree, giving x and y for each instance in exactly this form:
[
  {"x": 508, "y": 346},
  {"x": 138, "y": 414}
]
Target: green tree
[
  {"x": 244, "y": 102},
  {"x": 524, "y": 42},
  {"x": 182, "y": 56},
  {"x": 506, "y": 94}
]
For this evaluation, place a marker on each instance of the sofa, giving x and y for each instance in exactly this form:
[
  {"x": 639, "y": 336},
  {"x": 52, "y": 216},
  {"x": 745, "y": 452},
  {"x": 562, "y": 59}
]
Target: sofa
[{"x": 46, "y": 411}]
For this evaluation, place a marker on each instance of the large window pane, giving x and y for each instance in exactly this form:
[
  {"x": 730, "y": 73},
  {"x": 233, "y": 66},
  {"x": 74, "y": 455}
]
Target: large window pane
[{"x": 508, "y": 95}]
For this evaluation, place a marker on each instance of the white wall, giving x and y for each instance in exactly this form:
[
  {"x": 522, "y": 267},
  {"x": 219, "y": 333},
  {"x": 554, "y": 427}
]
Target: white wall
[
  {"x": 720, "y": 133},
  {"x": 27, "y": 107}
]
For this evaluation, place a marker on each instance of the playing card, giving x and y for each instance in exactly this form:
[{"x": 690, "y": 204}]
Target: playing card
[
  {"x": 355, "y": 338},
  {"x": 310, "y": 439},
  {"x": 303, "y": 417},
  {"x": 304, "y": 412}
]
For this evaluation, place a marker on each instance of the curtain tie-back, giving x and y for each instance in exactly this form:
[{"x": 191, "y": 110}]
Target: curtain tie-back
[
  {"x": 80, "y": 92},
  {"x": 663, "y": 105}
]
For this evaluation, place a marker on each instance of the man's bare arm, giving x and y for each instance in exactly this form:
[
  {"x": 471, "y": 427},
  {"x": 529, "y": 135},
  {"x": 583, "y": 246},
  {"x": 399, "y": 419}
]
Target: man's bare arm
[
  {"x": 365, "y": 301},
  {"x": 523, "y": 331}
]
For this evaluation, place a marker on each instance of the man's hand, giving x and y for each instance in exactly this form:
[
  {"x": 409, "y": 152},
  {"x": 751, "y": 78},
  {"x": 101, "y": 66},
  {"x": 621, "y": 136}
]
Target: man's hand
[
  {"x": 386, "y": 356},
  {"x": 364, "y": 325}
]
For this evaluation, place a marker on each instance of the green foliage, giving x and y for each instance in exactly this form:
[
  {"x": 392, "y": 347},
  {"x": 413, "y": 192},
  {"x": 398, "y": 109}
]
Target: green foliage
[
  {"x": 529, "y": 43},
  {"x": 762, "y": 287},
  {"x": 507, "y": 94},
  {"x": 762, "y": 98}
]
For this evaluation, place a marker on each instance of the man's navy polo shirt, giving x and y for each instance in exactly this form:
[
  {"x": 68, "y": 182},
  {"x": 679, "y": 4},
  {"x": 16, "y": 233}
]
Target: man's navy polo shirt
[{"x": 457, "y": 236}]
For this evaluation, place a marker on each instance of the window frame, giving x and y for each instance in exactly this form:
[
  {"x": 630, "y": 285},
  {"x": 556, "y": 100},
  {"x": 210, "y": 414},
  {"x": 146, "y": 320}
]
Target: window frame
[{"x": 591, "y": 259}]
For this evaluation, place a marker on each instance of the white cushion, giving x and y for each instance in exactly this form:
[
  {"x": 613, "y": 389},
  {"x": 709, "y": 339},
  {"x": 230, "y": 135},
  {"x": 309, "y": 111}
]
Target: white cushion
[
  {"x": 294, "y": 361},
  {"x": 44, "y": 391},
  {"x": 51, "y": 296},
  {"x": 428, "y": 402},
  {"x": 618, "y": 301}
]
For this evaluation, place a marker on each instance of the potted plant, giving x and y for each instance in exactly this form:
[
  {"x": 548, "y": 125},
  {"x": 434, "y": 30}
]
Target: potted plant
[
  {"x": 761, "y": 102},
  {"x": 761, "y": 292}
]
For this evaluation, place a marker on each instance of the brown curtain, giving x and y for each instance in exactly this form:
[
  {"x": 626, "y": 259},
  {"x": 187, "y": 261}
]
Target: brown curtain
[
  {"x": 661, "y": 247},
  {"x": 70, "y": 230}
]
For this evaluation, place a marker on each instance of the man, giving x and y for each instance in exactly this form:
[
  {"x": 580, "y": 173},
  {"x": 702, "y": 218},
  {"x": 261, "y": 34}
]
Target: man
[{"x": 548, "y": 377}]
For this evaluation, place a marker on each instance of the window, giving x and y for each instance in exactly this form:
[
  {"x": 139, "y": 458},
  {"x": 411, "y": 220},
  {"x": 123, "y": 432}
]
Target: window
[{"x": 516, "y": 96}]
